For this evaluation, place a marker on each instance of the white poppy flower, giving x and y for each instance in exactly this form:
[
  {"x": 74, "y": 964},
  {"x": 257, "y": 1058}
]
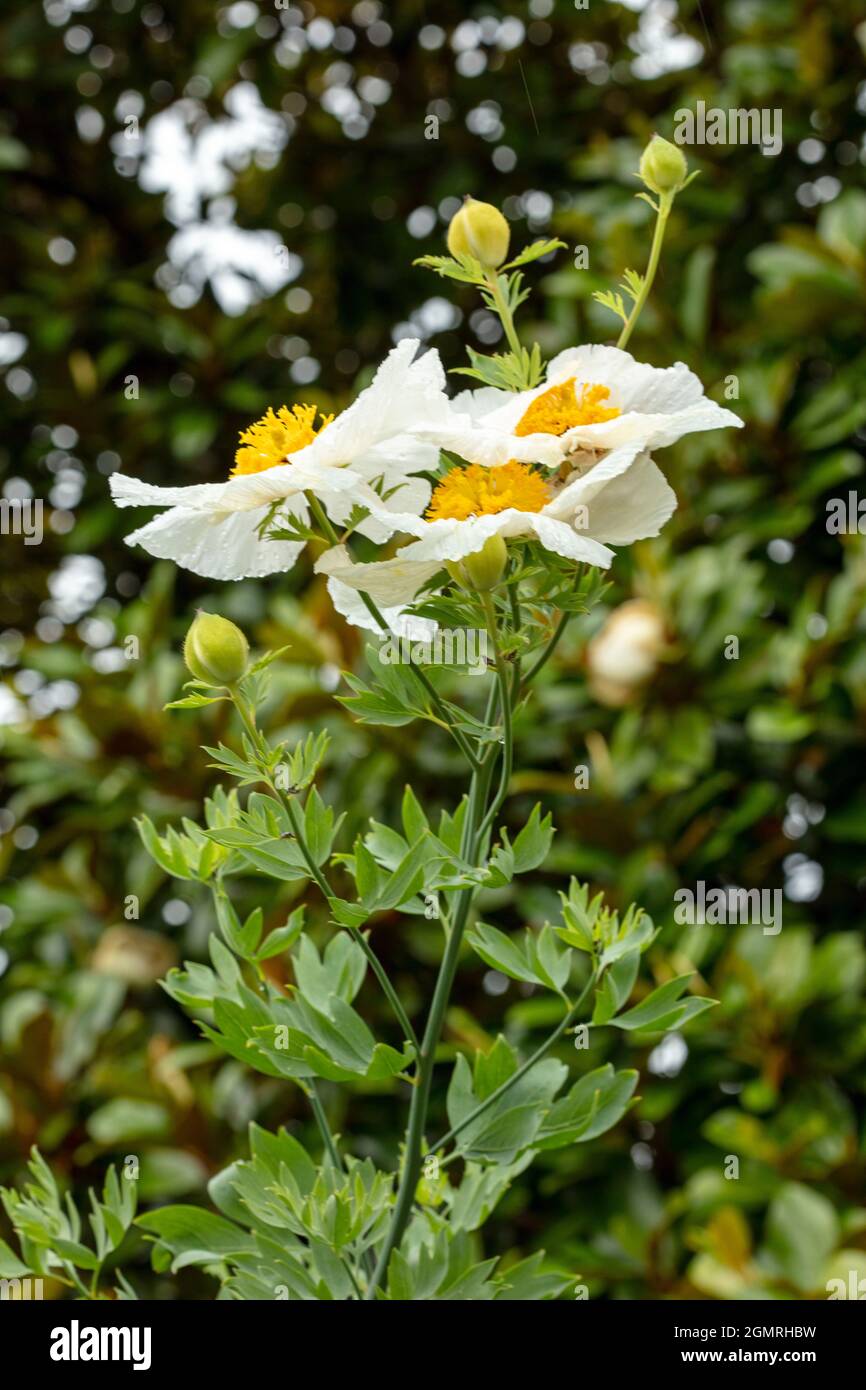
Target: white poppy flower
[
  {"x": 217, "y": 529},
  {"x": 595, "y": 419},
  {"x": 620, "y": 499},
  {"x": 594, "y": 397}
]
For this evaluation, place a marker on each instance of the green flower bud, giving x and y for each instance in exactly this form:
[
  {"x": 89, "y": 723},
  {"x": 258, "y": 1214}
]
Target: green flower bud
[
  {"x": 663, "y": 166},
  {"x": 482, "y": 570},
  {"x": 479, "y": 230},
  {"x": 215, "y": 651}
]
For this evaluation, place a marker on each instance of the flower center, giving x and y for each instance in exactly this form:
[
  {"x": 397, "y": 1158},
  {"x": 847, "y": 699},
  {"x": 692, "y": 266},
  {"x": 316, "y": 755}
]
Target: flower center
[
  {"x": 480, "y": 491},
  {"x": 267, "y": 443},
  {"x": 561, "y": 408}
]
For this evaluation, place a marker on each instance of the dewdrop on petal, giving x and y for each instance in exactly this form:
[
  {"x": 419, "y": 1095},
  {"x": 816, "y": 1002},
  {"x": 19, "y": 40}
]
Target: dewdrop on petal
[
  {"x": 479, "y": 230},
  {"x": 663, "y": 166},
  {"x": 215, "y": 650},
  {"x": 483, "y": 569}
]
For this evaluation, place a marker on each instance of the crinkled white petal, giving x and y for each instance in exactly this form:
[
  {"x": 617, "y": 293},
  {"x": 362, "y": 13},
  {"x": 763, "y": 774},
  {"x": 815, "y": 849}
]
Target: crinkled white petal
[
  {"x": 453, "y": 540},
  {"x": 564, "y": 540},
  {"x": 587, "y": 484},
  {"x": 349, "y": 603},
  {"x": 218, "y": 545},
  {"x": 658, "y": 405},
  {"x": 650, "y": 431},
  {"x": 402, "y": 396},
  {"x": 244, "y": 493},
  {"x": 387, "y": 513},
  {"x": 481, "y": 402},
  {"x": 395, "y": 458},
  {"x": 479, "y": 442},
  {"x": 389, "y": 583},
  {"x": 632, "y": 506},
  {"x": 633, "y": 385}
]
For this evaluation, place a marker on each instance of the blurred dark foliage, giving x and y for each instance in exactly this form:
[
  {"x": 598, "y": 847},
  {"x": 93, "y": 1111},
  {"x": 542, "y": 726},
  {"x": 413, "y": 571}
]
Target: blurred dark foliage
[{"x": 730, "y": 766}]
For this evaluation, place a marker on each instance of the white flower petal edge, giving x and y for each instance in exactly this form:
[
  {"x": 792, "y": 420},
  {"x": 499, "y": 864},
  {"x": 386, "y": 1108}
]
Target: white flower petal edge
[
  {"x": 397, "y": 582},
  {"x": 375, "y": 436},
  {"x": 658, "y": 406},
  {"x": 349, "y": 603},
  {"x": 633, "y": 506},
  {"x": 621, "y": 499},
  {"x": 225, "y": 545},
  {"x": 389, "y": 583}
]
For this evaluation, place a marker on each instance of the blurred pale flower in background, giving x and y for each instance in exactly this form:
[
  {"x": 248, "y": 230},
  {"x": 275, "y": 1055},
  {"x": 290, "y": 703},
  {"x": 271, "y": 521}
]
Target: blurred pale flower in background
[{"x": 625, "y": 653}]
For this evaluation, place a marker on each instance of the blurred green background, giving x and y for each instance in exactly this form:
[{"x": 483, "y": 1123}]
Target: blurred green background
[{"x": 211, "y": 209}]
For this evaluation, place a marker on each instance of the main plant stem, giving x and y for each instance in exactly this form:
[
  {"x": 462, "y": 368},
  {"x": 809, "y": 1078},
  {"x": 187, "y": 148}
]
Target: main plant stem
[{"x": 412, "y": 1157}]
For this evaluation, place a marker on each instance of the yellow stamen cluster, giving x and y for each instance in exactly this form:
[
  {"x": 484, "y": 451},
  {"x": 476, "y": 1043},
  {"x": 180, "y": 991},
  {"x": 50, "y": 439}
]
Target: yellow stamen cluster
[
  {"x": 561, "y": 408},
  {"x": 268, "y": 442},
  {"x": 479, "y": 491}
]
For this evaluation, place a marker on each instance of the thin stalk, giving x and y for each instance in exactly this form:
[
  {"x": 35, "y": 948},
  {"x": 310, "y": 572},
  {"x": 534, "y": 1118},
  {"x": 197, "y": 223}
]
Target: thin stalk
[
  {"x": 666, "y": 202},
  {"x": 334, "y": 1154},
  {"x": 502, "y": 309},
  {"x": 567, "y": 1022},
  {"x": 507, "y": 729},
  {"x": 319, "y": 878},
  {"x": 516, "y": 624},
  {"x": 432, "y": 693},
  {"x": 375, "y": 964},
  {"x": 548, "y": 650},
  {"x": 324, "y": 1128}
]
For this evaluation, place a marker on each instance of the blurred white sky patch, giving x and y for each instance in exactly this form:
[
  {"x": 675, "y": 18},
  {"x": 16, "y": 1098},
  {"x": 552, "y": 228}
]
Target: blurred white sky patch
[
  {"x": 659, "y": 43},
  {"x": 669, "y": 1056},
  {"x": 12, "y": 710},
  {"x": 12, "y": 345},
  {"x": 77, "y": 584},
  {"x": 193, "y": 161},
  {"x": 242, "y": 266}
]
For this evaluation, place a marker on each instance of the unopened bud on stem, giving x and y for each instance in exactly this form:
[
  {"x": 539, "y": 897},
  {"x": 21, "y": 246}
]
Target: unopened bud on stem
[
  {"x": 479, "y": 230},
  {"x": 483, "y": 569},
  {"x": 215, "y": 650},
  {"x": 663, "y": 166}
]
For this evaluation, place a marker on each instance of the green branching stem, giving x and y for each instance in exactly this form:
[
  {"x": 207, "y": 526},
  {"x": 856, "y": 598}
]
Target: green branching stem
[
  {"x": 571, "y": 1018},
  {"x": 516, "y": 624},
  {"x": 505, "y": 698},
  {"x": 412, "y": 1158},
  {"x": 324, "y": 1128},
  {"x": 319, "y": 878}
]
